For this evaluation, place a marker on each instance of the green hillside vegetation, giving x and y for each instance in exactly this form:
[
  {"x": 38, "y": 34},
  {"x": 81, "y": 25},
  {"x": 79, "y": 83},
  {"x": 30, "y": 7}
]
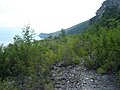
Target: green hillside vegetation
[{"x": 98, "y": 47}]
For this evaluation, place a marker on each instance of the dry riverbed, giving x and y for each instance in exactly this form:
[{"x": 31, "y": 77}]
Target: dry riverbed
[{"x": 75, "y": 77}]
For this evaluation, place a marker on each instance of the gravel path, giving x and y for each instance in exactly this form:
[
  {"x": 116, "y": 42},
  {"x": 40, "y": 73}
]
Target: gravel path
[{"x": 74, "y": 77}]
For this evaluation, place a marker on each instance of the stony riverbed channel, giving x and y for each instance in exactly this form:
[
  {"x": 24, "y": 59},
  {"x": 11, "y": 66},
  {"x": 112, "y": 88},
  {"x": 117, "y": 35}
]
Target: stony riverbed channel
[{"x": 76, "y": 77}]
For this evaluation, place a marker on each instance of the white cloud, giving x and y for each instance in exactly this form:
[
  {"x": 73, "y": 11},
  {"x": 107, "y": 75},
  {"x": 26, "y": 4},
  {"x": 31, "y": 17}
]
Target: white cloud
[{"x": 46, "y": 15}]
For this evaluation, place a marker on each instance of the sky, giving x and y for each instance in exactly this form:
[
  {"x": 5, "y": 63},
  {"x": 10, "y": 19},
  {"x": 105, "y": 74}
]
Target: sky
[{"x": 44, "y": 16}]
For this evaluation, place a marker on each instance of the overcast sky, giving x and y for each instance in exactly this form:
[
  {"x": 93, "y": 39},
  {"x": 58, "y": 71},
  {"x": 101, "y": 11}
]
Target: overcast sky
[{"x": 46, "y": 15}]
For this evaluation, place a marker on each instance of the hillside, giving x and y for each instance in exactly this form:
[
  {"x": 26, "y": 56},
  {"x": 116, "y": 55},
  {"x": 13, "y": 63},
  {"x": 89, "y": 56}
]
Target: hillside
[{"x": 89, "y": 60}]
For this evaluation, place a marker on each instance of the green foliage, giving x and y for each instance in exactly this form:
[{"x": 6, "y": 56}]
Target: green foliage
[
  {"x": 7, "y": 85},
  {"x": 98, "y": 47},
  {"x": 49, "y": 86},
  {"x": 62, "y": 33},
  {"x": 100, "y": 70},
  {"x": 112, "y": 13},
  {"x": 28, "y": 34},
  {"x": 102, "y": 47}
]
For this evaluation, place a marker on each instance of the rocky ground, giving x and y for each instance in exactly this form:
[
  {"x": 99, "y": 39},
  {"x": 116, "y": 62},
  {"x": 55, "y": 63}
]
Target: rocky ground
[{"x": 76, "y": 77}]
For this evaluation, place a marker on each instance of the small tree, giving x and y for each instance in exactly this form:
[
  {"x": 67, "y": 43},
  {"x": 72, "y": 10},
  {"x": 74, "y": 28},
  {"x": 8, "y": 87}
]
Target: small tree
[
  {"x": 62, "y": 33},
  {"x": 28, "y": 34}
]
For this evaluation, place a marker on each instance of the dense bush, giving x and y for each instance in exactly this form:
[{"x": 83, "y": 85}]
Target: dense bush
[
  {"x": 29, "y": 61},
  {"x": 101, "y": 49}
]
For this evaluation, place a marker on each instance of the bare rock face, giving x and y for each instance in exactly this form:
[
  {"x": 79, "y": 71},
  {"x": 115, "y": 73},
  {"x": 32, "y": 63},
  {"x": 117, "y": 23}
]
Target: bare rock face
[
  {"x": 111, "y": 3},
  {"x": 107, "y": 4}
]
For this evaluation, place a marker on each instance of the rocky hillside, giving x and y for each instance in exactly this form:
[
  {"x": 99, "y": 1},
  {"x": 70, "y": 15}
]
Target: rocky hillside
[{"x": 108, "y": 4}]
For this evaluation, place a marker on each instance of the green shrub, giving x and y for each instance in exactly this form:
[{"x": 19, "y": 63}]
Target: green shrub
[{"x": 101, "y": 70}]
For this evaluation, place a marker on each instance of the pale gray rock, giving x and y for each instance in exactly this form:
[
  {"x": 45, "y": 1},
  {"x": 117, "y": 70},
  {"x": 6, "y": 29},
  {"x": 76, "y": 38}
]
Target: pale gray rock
[{"x": 77, "y": 78}]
